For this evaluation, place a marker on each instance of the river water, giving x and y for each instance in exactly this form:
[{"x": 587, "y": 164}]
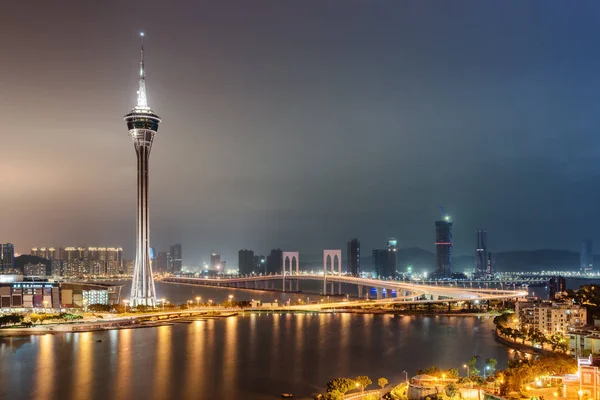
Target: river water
[{"x": 250, "y": 356}]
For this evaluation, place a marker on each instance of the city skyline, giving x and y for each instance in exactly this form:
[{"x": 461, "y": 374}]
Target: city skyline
[{"x": 260, "y": 131}]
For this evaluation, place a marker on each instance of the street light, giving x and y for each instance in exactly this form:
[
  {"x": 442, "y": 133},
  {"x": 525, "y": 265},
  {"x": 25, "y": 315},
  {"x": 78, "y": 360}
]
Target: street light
[
  {"x": 126, "y": 302},
  {"x": 406, "y": 376},
  {"x": 198, "y": 300},
  {"x": 467, "y": 368},
  {"x": 487, "y": 367},
  {"x": 209, "y": 302}
]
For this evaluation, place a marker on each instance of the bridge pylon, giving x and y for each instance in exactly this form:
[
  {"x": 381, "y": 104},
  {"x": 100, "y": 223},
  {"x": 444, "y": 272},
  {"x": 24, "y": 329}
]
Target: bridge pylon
[
  {"x": 331, "y": 256},
  {"x": 289, "y": 257}
]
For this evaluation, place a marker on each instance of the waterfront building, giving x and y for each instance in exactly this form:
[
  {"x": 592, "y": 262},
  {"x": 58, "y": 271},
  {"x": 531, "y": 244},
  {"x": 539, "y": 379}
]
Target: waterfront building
[
  {"x": 142, "y": 125},
  {"x": 246, "y": 263},
  {"x": 353, "y": 256},
  {"x": 25, "y": 293},
  {"x": 481, "y": 254},
  {"x": 586, "y": 257},
  {"x": 385, "y": 260},
  {"x": 550, "y": 317},
  {"x": 443, "y": 248},
  {"x": 7, "y": 257},
  {"x": 260, "y": 264},
  {"x": 215, "y": 260},
  {"x": 274, "y": 261},
  {"x": 175, "y": 258},
  {"x": 162, "y": 261}
]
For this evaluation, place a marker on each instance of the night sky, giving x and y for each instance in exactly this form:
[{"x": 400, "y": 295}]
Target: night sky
[{"x": 302, "y": 124}]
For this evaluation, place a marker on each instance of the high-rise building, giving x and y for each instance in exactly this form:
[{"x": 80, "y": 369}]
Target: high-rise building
[
  {"x": 175, "y": 258},
  {"x": 353, "y": 256},
  {"x": 274, "y": 261},
  {"x": 142, "y": 124},
  {"x": 7, "y": 256},
  {"x": 215, "y": 260},
  {"x": 162, "y": 260},
  {"x": 586, "y": 258},
  {"x": 245, "y": 262},
  {"x": 490, "y": 264},
  {"x": 481, "y": 254},
  {"x": 443, "y": 248},
  {"x": 260, "y": 264},
  {"x": 385, "y": 260}
]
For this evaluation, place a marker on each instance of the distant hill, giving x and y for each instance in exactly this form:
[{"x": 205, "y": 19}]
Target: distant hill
[{"x": 24, "y": 259}]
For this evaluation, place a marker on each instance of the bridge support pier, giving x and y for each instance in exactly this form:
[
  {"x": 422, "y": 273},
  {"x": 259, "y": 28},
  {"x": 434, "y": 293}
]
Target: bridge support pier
[
  {"x": 325, "y": 285},
  {"x": 339, "y": 288},
  {"x": 379, "y": 293},
  {"x": 332, "y": 289},
  {"x": 297, "y": 285},
  {"x": 360, "y": 291}
]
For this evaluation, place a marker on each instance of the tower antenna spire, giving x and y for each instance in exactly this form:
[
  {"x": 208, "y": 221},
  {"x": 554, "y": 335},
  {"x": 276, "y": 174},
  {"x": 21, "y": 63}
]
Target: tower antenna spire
[{"x": 142, "y": 101}]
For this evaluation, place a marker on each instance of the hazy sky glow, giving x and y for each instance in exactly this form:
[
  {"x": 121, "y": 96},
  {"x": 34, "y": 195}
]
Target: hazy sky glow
[{"x": 302, "y": 124}]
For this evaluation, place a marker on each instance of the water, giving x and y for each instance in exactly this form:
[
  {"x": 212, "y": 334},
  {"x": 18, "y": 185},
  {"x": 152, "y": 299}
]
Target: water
[{"x": 246, "y": 357}]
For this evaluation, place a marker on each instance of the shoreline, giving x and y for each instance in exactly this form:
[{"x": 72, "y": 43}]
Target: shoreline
[{"x": 141, "y": 321}]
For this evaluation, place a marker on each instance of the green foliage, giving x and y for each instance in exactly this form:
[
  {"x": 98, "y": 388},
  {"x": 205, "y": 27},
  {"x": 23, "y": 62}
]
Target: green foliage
[
  {"x": 341, "y": 385},
  {"x": 333, "y": 395},
  {"x": 491, "y": 363},
  {"x": 523, "y": 371},
  {"x": 452, "y": 390},
  {"x": 504, "y": 319},
  {"x": 382, "y": 382},
  {"x": 399, "y": 392},
  {"x": 11, "y": 319},
  {"x": 363, "y": 381},
  {"x": 437, "y": 372},
  {"x": 473, "y": 371},
  {"x": 99, "y": 307}
]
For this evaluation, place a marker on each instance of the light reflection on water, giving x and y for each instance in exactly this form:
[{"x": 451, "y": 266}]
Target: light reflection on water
[{"x": 245, "y": 357}]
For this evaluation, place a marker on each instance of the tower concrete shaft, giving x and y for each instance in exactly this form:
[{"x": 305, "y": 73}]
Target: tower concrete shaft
[{"x": 142, "y": 123}]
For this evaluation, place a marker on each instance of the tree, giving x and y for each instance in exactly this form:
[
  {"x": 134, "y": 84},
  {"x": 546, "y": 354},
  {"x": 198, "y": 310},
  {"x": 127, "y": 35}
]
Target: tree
[
  {"x": 363, "y": 381},
  {"x": 341, "y": 385},
  {"x": 471, "y": 365},
  {"x": 382, "y": 382},
  {"x": 452, "y": 390},
  {"x": 334, "y": 395},
  {"x": 99, "y": 307},
  {"x": 491, "y": 363}
]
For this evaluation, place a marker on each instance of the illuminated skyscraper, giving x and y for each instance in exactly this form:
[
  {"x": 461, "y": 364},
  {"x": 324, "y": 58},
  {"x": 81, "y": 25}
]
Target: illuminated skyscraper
[
  {"x": 246, "y": 262},
  {"x": 385, "y": 260},
  {"x": 443, "y": 248},
  {"x": 586, "y": 257},
  {"x": 7, "y": 256},
  {"x": 175, "y": 258},
  {"x": 353, "y": 255},
  {"x": 481, "y": 254},
  {"x": 142, "y": 123}
]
